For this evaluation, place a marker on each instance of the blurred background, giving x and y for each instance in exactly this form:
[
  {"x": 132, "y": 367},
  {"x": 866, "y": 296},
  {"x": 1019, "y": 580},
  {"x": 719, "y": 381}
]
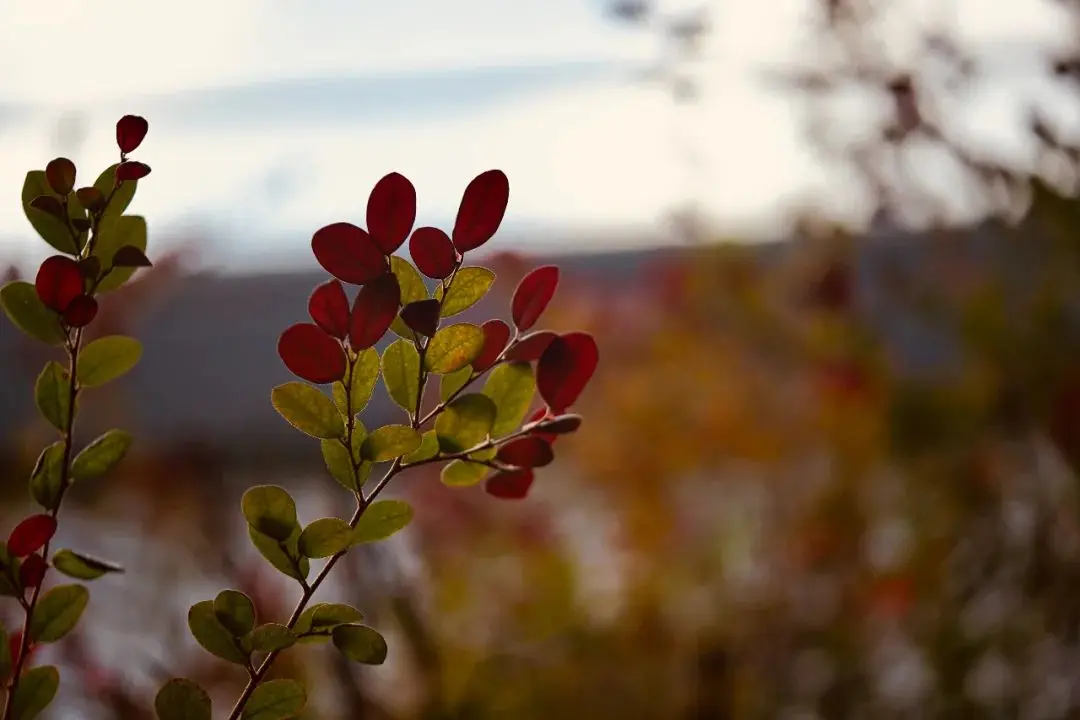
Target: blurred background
[{"x": 829, "y": 249}]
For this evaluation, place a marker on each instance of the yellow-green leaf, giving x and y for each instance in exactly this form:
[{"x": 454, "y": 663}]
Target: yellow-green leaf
[
  {"x": 512, "y": 387},
  {"x": 389, "y": 442},
  {"x": 52, "y": 394},
  {"x": 401, "y": 373},
  {"x": 106, "y": 359},
  {"x": 453, "y": 347},
  {"x": 465, "y": 422},
  {"x": 381, "y": 520},
  {"x": 413, "y": 289},
  {"x": 101, "y": 455},
  {"x": 468, "y": 287},
  {"x": 57, "y": 612},
  {"x": 308, "y": 409},
  {"x": 325, "y": 537}
]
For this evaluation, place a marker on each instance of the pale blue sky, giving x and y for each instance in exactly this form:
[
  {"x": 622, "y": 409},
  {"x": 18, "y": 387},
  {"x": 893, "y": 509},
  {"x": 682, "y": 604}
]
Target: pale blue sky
[{"x": 270, "y": 118}]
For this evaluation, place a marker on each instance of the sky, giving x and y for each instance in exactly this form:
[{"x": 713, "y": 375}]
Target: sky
[{"x": 271, "y": 118}]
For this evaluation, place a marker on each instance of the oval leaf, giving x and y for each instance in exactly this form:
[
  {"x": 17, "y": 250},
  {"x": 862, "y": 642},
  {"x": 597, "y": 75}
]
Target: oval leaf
[
  {"x": 31, "y": 534},
  {"x": 462, "y": 473},
  {"x": 114, "y": 233},
  {"x": 422, "y": 317},
  {"x": 453, "y": 348},
  {"x": 512, "y": 387},
  {"x": 533, "y": 294},
  {"x": 182, "y": 699},
  {"x": 329, "y": 308},
  {"x": 309, "y": 353},
  {"x": 308, "y": 409},
  {"x": 340, "y": 464},
  {"x": 382, "y": 519},
  {"x": 375, "y": 308},
  {"x": 57, "y": 613},
  {"x": 467, "y": 288},
  {"x": 360, "y": 644},
  {"x": 235, "y": 611},
  {"x": 325, "y": 537},
  {"x": 433, "y": 252},
  {"x": 565, "y": 368},
  {"x": 275, "y": 700},
  {"x": 320, "y": 619},
  {"x": 122, "y": 195},
  {"x": 529, "y": 348},
  {"x": 37, "y": 688},
  {"x": 52, "y": 395},
  {"x": 26, "y": 311},
  {"x": 481, "y": 211},
  {"x": 496, "y": 336},
  {"x": 389, "y": 442},
  {"x": 413, "y": 290},
  {"x": 465, "y": 422},
  {"x": 348, "y": 253},
  {"x": 214, "y": 637},
  {"x": 47, "y": 477},
  {"x": 429, "y": 448},
  {"x": 101, "y": 455},
  {"x": 510, "y": 485},
  {"x": 451, "y": 384},
  {"x": 270, "y": 510},
  {"x": 391, "y": 212},
  {"x": 49, "y": 226},
  {"x": 529, "y": 452},
  {"x": 107, "y": 359},
  {"x": 401, "y": 373},
  {"x": 365, "y": 373},
  {"x": 58, "y": 282},
  {"x": 82, "y": 567},
  {"x": 283, "y": 556},
  {"x": 272, "y": 637}
]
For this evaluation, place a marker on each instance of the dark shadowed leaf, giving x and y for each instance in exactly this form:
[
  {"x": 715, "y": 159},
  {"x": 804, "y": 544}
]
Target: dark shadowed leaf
[
  {"x": 433, "y": 252},
  {"x": 270, "y": 510},
  {"x": 348, "y": 253},
  {"x": 132, "y": 170},
  {"x": 389, "y": 442},
  {"x": 275, "y": 700},
  {"x": 453, "y": 347},
  {"x": 81, "y": 311},
  {"x": 284, "y": 556},
  {"x": 52, "y": 394},
  {"x": 560, "y": 425},
  {"x": 381, "y": 520},
  {"x": 182, "y": 699},
  {"x": 26, "y": 311},
  {"x": 325, "y": 537},
  {"x": 422, "y": 317},
  {"x": 57, "y": 613},
  {"x": 46, "y": 221},
  {"x": 129, "y": 256},
  {"x": 308, "y": 409},
  {"x": 465, "y": 422},
  {"x": 375, "y": 307},
  {"x": 101, "y": 455},
  {"x": 530, "y": 347},
  {"x": 214, "y": 637},
  {"x": 450, "y": 384},
  {"x": 130, "y": 131},
  {"x": 496, "y": 335},
  {"x": 309, "y": 353},
  {"x": 391, "y": 212},
  {"x": 512, "y": 387},
  {"x": 401, "y": 373},
  {"x": 510, "y": 485},
  {"x": 107, "y": 359},
  {"x": 58, "y": 282},
  {"x": 565, "y": 369},
  {"x": 235, "y": 611},
  {"x": 36, "y": 691},
  {"x": 82, "y": 567},
  {"x": 31, "y": 534},
  {"x": 360, "y": 644},
  {"x": 319, "y": 620},
  {"x": 60, "y": 174},
  {"x": 329, "y": 308},
  {"x": 530, "y": 452},
  {"x": 481, "y": 211},
  {"x": 413, "y": 290},
  {"x": 272, "y": 637},
  {"x": 91, "y": 198},
  {"x": 47, "y": 476},
  {"x": 533, "y": 294},
  {"x": 469, "y": 285}
]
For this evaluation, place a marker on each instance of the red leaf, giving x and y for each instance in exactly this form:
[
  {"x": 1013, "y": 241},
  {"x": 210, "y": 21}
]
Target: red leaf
[
  {"x": 329, "y": 308},
  {"x": 533, "y": 294},
  {"x": 481, "y": 211},
  {"x": 58, "y": 282},
  {"x": 31, "y": 534},
  {"x": 375, "y": 308},
  {"x": 14, "y": 650},
  {"x": 60, "y": 174},
  {"x": 391, "y": 211},
  {"x": 132, "y": 170},
  {"x": 510, "y": 484},
  {"x": 348, "y": 253},
  {"x": 531, "y": 347},
  {"x": 565, "y": 369},
  {"x": 529, "y": 452},
  {"x": 130, "y": 256},
  {"x": 496, "y": 335},
  {"x": 130, "y": 131},
  {"x": 32, "y": 571},
  {"x": 433, "y": 252},
  {"x": 422, "y": 316},
  {"x": 81, "y": 311},
  {"x": 311, "y": 354}
]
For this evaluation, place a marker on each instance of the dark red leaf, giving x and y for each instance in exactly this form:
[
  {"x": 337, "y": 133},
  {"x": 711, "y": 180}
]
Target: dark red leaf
[
  {"x": 530, "y": 347},
  {"x": 31, "y": 535},
  {"x": 375, "y": 308},
  {"x": 510, "y": 484},
  {"x": 90, "y": 267},
  {"x": 58, "y": 282},
  {"x": 565, "y": 369},
  {"x": 130, "y": 131},
  {"x": 130, "y": 256},
  {"x": 132, "y": 170},
  {"x": 433, "y": 252},
  {"x": 533, "y": 294},
  {"x": 14, "y": 650},
  {"x": 329, "y": 308},
  {"x": 529, "y": 452},
  {"x": 496, "y": 335},
  {"x": 60, "y": 174},
  {"x": 311, "y": 354},
  {"x": 32, "y": 571},
  {"x": 560, "y": 425},
  {"x": 81, "y": 311},
  {"x": 348, "y": 253},
  {"x": 91, "y": 198},
  {"x": 481, "y": 211},
  {"x": 80, "y": 223},
  {"x": 532, "y": 425},
  {"x": 422, "y": 316},
  {"x": 48, "y": 204},
  {"x": 391, "y": 212}
]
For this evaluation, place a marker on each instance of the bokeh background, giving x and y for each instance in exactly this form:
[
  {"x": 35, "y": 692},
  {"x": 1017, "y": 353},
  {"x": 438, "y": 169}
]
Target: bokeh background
[{"x": 829, "y": 249}]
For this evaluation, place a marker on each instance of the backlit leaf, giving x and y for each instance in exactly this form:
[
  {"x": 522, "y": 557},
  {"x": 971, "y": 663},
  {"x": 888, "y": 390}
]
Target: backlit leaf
[
  {"x": 565, "y": 369},
  {"x": 389, "y": 442},
  {"x": 57, "y": 613},
  {"x": 465, "y": 422},
  {"x": 451, "y": 383},
  {"x": 270, "y": 510},
  {"x": 329, "y": 308},
  {"x": 453, "y": 347},
  {"x": 325, "y": 537},
  {"x": 26, "y": 311},
  {"x": 391, "y": 211},
  {"x": 115, "y": 232},
  {"x": 469, "y": 285},
  {"x": 373, "y": 311},
  {"x": 107, "y": 359},
  {"x": 235, "y": 611},
  {"x": 52, "y": 394},
  {"x": 82, "y": 567},
  {"x": 308, "y": 409},
  {"x": 512, "y": 387},
  {"x": 481, "y": 211},
  {"x": 433, "y": 252},
  {"x": 462, "y": 473},
  {"x": 413, "y": 290},
  {"x": 532, "y": 295},
  {"x": 272, "y": 637},
  {"x": 122, "y": 196},
  {"x": 50, "y": 228},
  {"x": 401, "y": 373},
  {"x": 101, "y": 455},
  {"x": 309, "y": 353},
  {"x": 320, "y": 619},
  {"x": 31, "y": 534},
  {"x": 382, "y": 519},
  {"x": 496, "y": 336},
  {"x": 214, "y": 637},
  {"x": 429, "y": 448},
  {"x": 348, "y": 253},
  {"x": 283, "y": 556},
  {"x": 365, "y": 374},
  {"x": 36, "y": 690}
]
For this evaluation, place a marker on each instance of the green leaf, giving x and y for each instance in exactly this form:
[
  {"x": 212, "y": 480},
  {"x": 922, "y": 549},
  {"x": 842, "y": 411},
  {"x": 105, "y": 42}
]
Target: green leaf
[
  {"x": 272, "y": 637},
  {"x": 47, "y": 477},
  {"x": 453, "y": 347},
  {"x": 382, "y": 519},
  {"x": 360, "y": 644},
  {"x": 26, "y": 311},
  {"x": 452, "y": 383},
  {"x": 512, "y": 387},
  {"x": 462, "y": 473},
  {"x": 106, "y": 359},
  {"x": 57, "y": 612},
  {"x": 469, "y": 285},
  {"x": 319, "y": 620},
  {"x": 465, "y": 422},
  {"x": 275, "y": 700},
  {"x": 308, "y": 409},
  {"x": 389, "y": 442},
  {"x": 49, "y": 228},
  {"x": 270, "y": 510},
  {"x": 413, "y": 289},
  {"x": 8, "y": 562},
  {"x": 101, "y": 455},
  {"x": 340, "y": 464},
  {"x": 52, "y": 394},
  {"x": 123, "y": 195},
  {"x": 5, "y": 654},
  {"x": 115, "y": 232},
  {"x": 235, "y": 611},
  {"x": 429, "y": 448},
  {"x": 364, "y": 376},
  {"x": 401, "y": 373},
  {"x": 283, "y": 556},
  {"x": 37, "y": 688},
  {"x": 182, "y": 699},
  {"x": 214, "y": 637},
  {"x": 325, "y": 537},
  {"x": 82, "y": 567}
]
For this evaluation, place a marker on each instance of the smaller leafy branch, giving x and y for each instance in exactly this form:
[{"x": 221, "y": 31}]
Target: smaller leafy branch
[
  {"x": 100, "y": 248},
  {"x": 484, "y": 436}
]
